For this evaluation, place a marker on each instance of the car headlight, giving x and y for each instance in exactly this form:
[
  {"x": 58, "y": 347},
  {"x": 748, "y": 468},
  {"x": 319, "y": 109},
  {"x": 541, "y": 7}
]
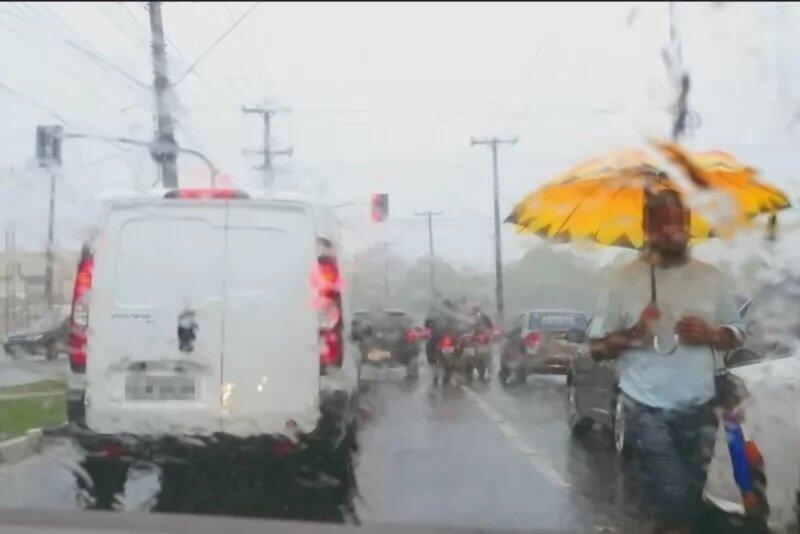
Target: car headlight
[{"x": 34, "y": 338}]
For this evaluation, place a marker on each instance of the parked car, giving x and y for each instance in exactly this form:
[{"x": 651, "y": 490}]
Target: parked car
[
  {"x": 388, "y": 338},
  {"x": 541, "y": 341},
  {"x": 48, "y": 336},
  {"x": 207, "y": 313}
]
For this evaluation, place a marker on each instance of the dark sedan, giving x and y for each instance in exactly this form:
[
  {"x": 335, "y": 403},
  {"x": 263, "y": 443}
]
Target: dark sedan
[
  {"x": 387, "y": 338},
  {"x": 47, "y": 337},
  {"x": 540, "y": 342}
]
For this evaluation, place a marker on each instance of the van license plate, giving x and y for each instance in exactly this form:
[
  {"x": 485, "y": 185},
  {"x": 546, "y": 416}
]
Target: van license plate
[{"x": 160, "y": 388}]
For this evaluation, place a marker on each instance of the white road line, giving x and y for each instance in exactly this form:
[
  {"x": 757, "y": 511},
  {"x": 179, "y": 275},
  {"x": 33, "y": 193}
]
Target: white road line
[{"x": 537, "y": 461}]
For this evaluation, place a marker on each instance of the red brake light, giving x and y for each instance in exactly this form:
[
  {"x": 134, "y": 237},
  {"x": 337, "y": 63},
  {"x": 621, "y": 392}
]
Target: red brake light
[
  {"x": 329, "y": 302},
  {"x": 201, "y": 194},
  {"x": 482, "y": 338},
  {"x": 79, "y": 319},
  {"x": 331, "y": 348},
  {"x": 532, "y": 339},
  {"x": 446, "y": 342},
  {"x": 329, "y": 274},
  {"x": 411, "y": 336}
]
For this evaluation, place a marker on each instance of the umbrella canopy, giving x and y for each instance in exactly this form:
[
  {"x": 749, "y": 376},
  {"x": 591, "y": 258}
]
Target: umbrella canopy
[{"x": 603, "y": 199}]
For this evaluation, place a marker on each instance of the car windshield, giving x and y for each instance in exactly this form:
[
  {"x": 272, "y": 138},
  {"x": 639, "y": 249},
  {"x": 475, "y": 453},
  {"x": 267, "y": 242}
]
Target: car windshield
[
  {"x": 479, "y": 266},
  {"x": 557, "y": 321}
]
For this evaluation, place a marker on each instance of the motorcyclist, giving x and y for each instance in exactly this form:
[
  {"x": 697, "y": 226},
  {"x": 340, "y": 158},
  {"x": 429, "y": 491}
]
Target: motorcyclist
[
  {"x": 440, "y": 320},
  {"x": 482, "y": 321}
]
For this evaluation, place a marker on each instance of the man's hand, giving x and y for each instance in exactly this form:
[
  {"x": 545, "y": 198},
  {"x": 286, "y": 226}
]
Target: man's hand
[
  {"x": 618, "y": 342},
  {"x": 695, "y": 331},
  {"x": 647, "y": 319}
]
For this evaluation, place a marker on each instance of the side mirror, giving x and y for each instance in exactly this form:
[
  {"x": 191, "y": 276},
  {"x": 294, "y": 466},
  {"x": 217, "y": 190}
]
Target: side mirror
[
  {"x": 576, "y": 336},
  {"x": 741, "y": 357}
]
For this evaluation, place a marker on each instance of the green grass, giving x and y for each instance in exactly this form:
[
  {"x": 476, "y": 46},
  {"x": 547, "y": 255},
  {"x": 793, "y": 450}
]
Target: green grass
[
  {"x": 19, "y": 415},
  {"x": 43, "y": 385}
]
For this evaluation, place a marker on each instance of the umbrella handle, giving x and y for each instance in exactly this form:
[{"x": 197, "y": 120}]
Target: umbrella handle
[
  {"x": 657, "y": 346},
  {"x": 653, "y": 295}
]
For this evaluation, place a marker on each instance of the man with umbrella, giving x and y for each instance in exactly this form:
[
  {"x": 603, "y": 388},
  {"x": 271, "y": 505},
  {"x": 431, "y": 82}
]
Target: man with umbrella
[{"x": 666, "y": 363}]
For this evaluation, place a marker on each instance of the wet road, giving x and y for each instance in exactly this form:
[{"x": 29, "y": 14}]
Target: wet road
[
  {"x": 478, "y": 456},
  {"x": 30, "y": 369}
]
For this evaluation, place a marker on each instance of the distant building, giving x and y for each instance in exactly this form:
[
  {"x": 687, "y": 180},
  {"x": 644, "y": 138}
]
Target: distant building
[{"x": 22, "y": 277}]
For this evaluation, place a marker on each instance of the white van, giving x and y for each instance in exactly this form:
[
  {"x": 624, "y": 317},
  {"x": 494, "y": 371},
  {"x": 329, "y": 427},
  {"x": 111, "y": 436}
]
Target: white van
[{"x": 210, "y": 312}]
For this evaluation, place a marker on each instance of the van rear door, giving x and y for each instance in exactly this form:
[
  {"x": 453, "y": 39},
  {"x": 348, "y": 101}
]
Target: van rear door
[
  {"x": 271, "y": 352},
  {"x": 157, "y": 265}
]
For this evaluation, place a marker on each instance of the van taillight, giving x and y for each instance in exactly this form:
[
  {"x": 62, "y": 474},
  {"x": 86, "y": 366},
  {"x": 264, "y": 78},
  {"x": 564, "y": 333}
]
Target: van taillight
[
  {"x": 329, "y": 304},
  {"x": 411, "y": 336},
  {"x": 79, "y": 319}
]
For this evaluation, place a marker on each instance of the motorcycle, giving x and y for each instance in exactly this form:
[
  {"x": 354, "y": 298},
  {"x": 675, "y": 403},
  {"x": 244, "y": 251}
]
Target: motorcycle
[
  {"x": 446, "y": 358},
  {"x": 476, "y": 354}
]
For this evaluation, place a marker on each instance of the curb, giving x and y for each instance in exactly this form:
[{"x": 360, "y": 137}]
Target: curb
[{"x": 17, "y": 449}]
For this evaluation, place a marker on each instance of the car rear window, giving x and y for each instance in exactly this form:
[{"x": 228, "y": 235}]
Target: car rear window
[
  {"x": 390, "y": 322},
  {"x": 557, "y": 321}
]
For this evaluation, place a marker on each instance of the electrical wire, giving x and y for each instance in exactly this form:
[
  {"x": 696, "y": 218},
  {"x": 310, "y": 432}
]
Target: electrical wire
[
  {"x": 248, "y": 50},
  {"x": 215, "y": 44},
  {"x": 35, "y": 104}
]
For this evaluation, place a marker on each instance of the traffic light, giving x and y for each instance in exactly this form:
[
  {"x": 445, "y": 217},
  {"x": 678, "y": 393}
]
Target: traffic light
[
  {"x": 48, "y": 145},
  {"x": 380, "y": 207}
]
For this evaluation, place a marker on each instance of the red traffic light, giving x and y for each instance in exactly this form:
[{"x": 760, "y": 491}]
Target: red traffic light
[{"x": 380, "y": 207}]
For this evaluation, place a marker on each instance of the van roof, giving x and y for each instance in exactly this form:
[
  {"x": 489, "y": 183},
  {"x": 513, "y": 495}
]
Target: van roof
[
  {"x": 254, "y": 194},
  {"x": 325, "y": 216}
]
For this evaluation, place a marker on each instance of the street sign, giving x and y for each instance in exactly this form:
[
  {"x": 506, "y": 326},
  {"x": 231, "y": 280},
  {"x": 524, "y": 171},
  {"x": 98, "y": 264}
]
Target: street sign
[{"x": 48, "y": 145}]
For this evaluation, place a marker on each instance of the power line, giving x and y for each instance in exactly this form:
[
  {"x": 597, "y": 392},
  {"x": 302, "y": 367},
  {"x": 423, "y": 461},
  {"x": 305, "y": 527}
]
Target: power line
[
  {"x": 122, "y": 152},
  {"x": 96, "y": 93},
  {"x": 34, "y": 103},
  {"x": 136, "y": 41},
  {"x": 144, "y": 32},
  {"x": 12, "y": 31},
  {"x": 107, "y": 63},
  {"x": 215, "y": 44},
  {"x": 247, "y": 50},
  {"x": 88, "y": 49}
]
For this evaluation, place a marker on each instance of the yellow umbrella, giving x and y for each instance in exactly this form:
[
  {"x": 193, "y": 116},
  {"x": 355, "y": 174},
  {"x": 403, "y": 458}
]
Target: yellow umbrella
[
  {"x": 603, "y": 199},
  {"x": 718, "y": 170}
]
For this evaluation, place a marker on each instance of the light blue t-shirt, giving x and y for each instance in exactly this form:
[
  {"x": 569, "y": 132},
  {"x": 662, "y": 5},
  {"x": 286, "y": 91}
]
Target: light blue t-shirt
[{"x": 686, "y": 376}]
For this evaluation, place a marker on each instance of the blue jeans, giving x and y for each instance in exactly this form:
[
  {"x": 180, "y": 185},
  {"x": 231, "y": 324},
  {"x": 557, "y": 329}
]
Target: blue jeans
[{"x": 671, "y": 451}]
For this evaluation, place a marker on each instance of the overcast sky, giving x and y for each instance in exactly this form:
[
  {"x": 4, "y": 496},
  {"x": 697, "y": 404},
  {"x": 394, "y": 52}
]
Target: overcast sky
[{"x": 385, "y": 98}]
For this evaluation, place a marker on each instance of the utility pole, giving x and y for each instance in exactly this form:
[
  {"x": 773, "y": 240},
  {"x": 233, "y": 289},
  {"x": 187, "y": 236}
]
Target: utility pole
[
  {"x": 48, "y": 274},
  {"x": 267, "y": 152},
  {"x": 386, "y": 273},
  {"x": 164, "y": 149},
  {"x": 430, "y": 214},
  {"x": 498, "y": 259},
  {"x": 48, "y": 155}
]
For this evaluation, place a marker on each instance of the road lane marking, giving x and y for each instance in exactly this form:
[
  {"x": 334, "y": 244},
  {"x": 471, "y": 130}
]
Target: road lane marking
[{"x": 536, "y": 460}]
